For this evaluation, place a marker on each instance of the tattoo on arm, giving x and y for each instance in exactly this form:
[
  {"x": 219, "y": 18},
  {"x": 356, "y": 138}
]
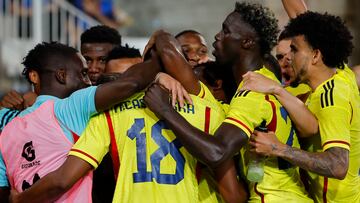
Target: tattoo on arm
[
  {"x": 332, "y": 163},
  {"x": 274, "y": 147}
]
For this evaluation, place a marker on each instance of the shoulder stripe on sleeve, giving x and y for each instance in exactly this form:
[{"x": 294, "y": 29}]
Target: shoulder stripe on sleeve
[
  {"x": 3, "y": 118},
  {"x": 17, "y": 113},
  {"x": 11, "y": 116},
  {"x": 332, "y": 92},
  {"x": 327, "y": 97},
  {"x": 246, "y": 93},
  {"x": 242, "y": 93},
  {"x": 6, "y": 116}
]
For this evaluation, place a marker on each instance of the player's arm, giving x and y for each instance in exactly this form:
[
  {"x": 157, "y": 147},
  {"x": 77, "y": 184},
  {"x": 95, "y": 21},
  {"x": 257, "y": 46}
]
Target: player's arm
[
  {"x": 332, "y": 163},
  {"x": 56, "y": 183},
  {"x": 211, "y": 150},
  {"x": 175, "y": 63},
  {"x": 177, "y": 91},
  {"x": 229, "y": 187},
  {"x": 133, "y": 80},
  {"x": 305, "y": 122},
  {"x": 13, "y": 100},
  {"x": 294, "y": 7},
  {"x": 4, "y": 194}
]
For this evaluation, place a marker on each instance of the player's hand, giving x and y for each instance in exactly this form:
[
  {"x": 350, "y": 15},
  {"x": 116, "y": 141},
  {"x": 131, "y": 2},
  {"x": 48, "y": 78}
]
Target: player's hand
[
  {"x": 13, "y": 198},
  {"x": 29, "y": 99},
  {"x": 178, "y": 92},
  {"x": 157, "y": 98},
  {"x": 151, "y": 43},
  {"x": 265, "y": 143},
  {"x": 259, "y": 83},
  {"x": 13, "y": 100}
]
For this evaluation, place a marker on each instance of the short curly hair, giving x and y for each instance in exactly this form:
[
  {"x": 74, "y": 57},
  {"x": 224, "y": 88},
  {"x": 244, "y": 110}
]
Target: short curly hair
[
  {"x": 325, "y": 32},
  {"x": 101, "y": 34},
  {"x": 187, "y": 31},
  {"x": 119, "y": 52},
  {"x": 263, "y": 21},
  {"x": 45, "y": 56}
]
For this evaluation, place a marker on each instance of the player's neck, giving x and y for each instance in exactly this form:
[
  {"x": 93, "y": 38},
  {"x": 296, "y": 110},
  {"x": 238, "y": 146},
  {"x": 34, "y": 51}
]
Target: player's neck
[
  {"x": 53, "y": 91},
  {"x": 319, "y": 75},
  {"x": 245, "y": 64}
]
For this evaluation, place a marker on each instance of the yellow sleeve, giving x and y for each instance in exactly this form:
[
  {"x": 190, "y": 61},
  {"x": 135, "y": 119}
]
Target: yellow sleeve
[
  {"x": 248, "y": 110},
  {"x": 334, "y": 125},
  {"x": 94, "y": 141},
  {"x": 299, "y": 90}
]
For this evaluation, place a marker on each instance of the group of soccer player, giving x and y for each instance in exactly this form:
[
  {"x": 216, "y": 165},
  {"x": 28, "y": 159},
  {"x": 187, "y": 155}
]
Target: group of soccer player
[{"x": 170, "y": 125}]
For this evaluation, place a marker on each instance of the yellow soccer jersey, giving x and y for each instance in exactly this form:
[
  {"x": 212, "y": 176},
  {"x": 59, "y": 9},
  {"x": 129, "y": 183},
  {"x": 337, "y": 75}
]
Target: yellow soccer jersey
[
  {"x": 154, "y": 166},
  {"x": 336, "y": 105},
  {"x": 281, "y": 181},
  {"x": 207, "y": 181},
  {"x": 205, "y": 93},
  {"x": 301, "y": 89},
  {"x": 350, "y": 77}
]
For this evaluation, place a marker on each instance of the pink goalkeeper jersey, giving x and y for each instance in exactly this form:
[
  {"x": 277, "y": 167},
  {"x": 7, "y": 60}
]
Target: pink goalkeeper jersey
[{"x": 35, "y": 145}]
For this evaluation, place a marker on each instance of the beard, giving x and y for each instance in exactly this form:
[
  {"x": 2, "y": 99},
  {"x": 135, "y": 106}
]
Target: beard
[{"x": 298, "y": 79}]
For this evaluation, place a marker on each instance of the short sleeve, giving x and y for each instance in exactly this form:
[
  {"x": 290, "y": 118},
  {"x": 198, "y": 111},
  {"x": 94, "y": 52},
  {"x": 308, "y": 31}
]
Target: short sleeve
[
  {"x": 76, "y": 110},
  {"x": 248, "y": 110},
  {"x": 94, "y": 141},
  {"x": 334, "y": 125}
]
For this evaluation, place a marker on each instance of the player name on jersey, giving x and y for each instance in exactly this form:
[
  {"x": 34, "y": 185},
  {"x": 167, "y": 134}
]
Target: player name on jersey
[{"x": 139, "y": 104}]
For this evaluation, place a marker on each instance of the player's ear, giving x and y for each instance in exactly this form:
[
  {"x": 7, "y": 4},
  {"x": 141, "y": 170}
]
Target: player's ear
[
  {"x": 248, "y": 43},
  {"x": 317, "y": 56},
  {"x": 34, "y": 77},
  {"x": 60, "y": 75},
  {"x": 218, "y": 84}
]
